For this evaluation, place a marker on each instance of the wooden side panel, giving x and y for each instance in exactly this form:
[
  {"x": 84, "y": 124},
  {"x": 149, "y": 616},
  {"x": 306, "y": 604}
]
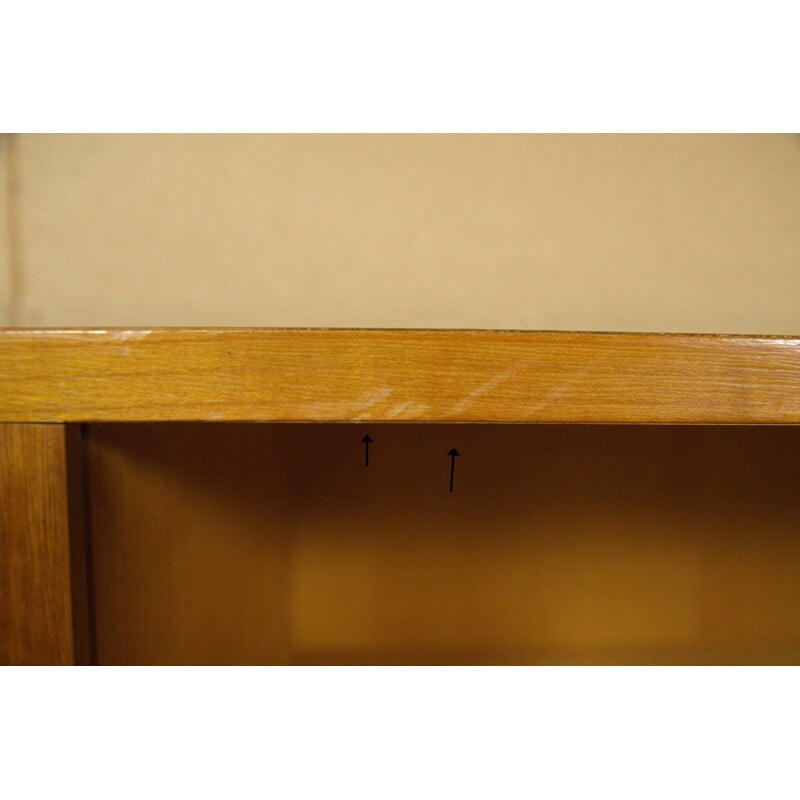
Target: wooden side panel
[
  {"x": 396, "y": 376},
  {"x": 191, "y": 527},
  {"x": 40, "y": 568}
]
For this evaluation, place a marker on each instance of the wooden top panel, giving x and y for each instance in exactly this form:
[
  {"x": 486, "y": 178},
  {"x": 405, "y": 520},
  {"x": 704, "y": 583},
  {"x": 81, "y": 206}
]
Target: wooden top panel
[{"x": 396, "y": 375}]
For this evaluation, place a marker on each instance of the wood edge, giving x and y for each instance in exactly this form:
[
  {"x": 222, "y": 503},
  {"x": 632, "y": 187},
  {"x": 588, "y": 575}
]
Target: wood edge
[
  {"x": 113, "y": 332},
  {"x": 654, "y": 347}
]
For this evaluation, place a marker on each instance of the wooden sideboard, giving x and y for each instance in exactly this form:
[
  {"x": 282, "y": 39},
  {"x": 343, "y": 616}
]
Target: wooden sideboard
[{"x": 155, "y": 507}]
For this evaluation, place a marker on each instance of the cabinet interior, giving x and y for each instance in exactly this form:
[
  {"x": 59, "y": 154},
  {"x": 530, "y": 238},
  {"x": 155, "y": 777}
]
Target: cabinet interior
[{"x": 215, "y": 543}]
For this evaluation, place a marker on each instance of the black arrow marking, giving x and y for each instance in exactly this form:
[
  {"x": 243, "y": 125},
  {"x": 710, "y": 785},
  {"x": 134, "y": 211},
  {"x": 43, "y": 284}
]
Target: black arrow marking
[
  {"x": 453, "y": 453},
  {"x": 367, "y": 439}
]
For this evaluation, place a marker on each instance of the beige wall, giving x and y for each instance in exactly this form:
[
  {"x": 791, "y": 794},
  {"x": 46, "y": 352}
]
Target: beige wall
[
  {"x": 5, "y": 274},
  {"x": 683, "y": 233}
]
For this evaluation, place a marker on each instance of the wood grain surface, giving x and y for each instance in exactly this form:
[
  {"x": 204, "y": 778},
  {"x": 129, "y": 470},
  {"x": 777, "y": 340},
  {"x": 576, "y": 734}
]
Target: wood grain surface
[
  {"x": 40, "y": 567},
  {"x": 340, "y": 375}
]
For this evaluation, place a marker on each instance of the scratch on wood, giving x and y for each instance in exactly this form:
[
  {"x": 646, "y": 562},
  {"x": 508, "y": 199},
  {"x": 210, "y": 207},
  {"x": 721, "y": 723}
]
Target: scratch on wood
[{"x": 487, "y": 386}]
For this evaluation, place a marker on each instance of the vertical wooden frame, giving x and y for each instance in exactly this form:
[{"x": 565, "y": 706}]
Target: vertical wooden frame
[{"x": 44, "y": 598}]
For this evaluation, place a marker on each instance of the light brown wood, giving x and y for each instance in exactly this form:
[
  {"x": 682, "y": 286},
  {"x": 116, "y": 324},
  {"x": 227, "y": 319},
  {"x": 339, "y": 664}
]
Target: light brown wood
[
  {"x": 43, "y": 605},
  {"x": 185, "y": 571},
  {"x": 273, "y": 544},
  {"x": 560, "y": 544},
  {"x": 396, "y": 375}
]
